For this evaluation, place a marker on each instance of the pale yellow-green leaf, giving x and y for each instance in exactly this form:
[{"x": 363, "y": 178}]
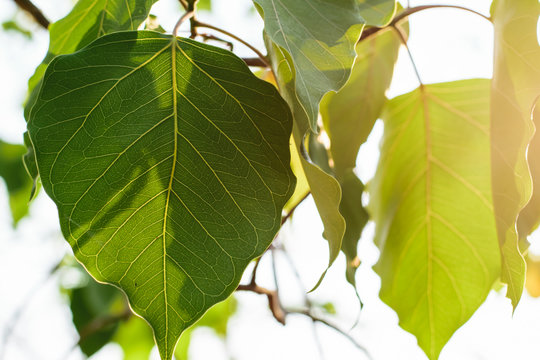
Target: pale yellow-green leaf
[{"x": 431, "y": 201}]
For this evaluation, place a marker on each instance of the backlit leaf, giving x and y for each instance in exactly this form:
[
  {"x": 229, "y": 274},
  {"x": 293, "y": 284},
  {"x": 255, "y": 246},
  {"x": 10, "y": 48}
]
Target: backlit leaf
[
  {"x": 431, "y": 201},
  {"x": 515, "y": 87},
  {"x": 348, "y": 117},
  {"x": 169, "y": 163},
  {"x": 324, "y": 188},
  {"x": 319, "y": 36},
  {"x": 377, "y": 12}
]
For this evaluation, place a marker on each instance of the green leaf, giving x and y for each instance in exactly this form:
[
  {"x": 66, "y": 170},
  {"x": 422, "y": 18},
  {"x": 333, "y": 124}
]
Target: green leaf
[
  {"x": 431, "y": 201},
  {"x": 90, "y": 305},
  {"x": 377, "y": 12},
  {"x": 348, "y": 117},
  {"x": 319, "y": 36},
  {"x": 17, "y": 182},
  {"x": 529, "y": 217},
  {"x": 169, "y": 163},
  {"x": 325, "y": 189},
  {"x": 515, "y": 87}
]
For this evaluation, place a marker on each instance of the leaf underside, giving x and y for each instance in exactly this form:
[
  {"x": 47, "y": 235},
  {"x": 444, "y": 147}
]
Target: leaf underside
[
  {"x": 169, "y": 163},
  {"x": 431, "y": 201}
]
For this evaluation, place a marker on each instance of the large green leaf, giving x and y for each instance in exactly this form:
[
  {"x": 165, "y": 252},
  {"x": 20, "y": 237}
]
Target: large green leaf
[
  {"x": 17, "y": 182},
  {"x": 515, "y": 87},
  {"x": 431, "y": 201},
  {"x": 324, "y": 188},
  {"x": 169, "y": 163},
  {"x": 348, "y": 117},
  {"x": 319, "y": 36}
]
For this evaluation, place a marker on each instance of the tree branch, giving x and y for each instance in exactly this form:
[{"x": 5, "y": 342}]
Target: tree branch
[
  {"x": 273, "y": 300},
  {"x": 34, "y": 12}
]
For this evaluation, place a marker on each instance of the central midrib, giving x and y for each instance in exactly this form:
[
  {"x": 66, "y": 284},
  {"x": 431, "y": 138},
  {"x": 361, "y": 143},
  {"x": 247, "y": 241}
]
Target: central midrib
[{"x": 169, "y": 189}]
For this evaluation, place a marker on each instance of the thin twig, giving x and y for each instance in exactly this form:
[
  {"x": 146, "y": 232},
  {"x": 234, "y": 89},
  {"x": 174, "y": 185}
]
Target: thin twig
[
  {"x": 197, "y": 23},
  {"x": 187, "y": 15},
  {"x": 207, "y": 37},
  {"x": 404, "y": 41},
  {"x": 409, "y": 11},
  {"x": 315, "y": 318},
  {"x": 34, "y": 12}
]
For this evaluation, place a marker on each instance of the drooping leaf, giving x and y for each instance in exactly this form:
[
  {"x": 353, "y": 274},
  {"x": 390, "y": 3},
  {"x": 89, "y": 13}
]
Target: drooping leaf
[
  {"x": 17, "y": 182},
  {"x": 431, "y": 202},
  {"x": 319, "y": 36},
  {"x": 377, "y": 12},
  {"x": 169, "y": 163},
  {"x": 515, "y": 87},
  {"x": 529, "y": 217},
  {"x": 90, "y": 305},
  {"x": 348, "y": 117},
  {"x": 324, "y": 188}
]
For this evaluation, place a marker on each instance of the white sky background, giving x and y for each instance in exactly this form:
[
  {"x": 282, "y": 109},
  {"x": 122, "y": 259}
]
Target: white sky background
[{"x": 446, "y": 45}]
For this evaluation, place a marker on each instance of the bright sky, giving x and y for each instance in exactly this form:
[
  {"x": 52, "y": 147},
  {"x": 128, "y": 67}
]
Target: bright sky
[{"x": 446, "y": 45}]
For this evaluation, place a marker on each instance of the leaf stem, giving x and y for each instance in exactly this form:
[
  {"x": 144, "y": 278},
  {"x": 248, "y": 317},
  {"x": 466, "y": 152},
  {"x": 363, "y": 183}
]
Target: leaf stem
[
  {"x": 412, "y": 10},
  {"x": 186, "y": 16},
  {"x": 196, "y": 23},
  {"x": 401, "y": 36}
]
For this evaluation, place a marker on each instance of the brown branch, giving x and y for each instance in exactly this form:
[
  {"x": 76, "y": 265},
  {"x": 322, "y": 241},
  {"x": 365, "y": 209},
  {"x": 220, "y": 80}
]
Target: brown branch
[
  {"x": 273, "y": 300},
  {"x": 409, "y": 11},
  {"x": 34, "y": 12},
  {"x": 254, "y": 62}
]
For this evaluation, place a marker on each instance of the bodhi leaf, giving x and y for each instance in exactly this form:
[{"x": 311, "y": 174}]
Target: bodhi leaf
[
  {"x": 431, "y": 201},
  {"x": 319, "y": 36},
  {"x": 324, "y": 188},
  {"x": 17, "y": 182},
  {"x": 169, "y": 163},
  {"x": 348, "y": 117},
  {"x": 515, "y": 87}
]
